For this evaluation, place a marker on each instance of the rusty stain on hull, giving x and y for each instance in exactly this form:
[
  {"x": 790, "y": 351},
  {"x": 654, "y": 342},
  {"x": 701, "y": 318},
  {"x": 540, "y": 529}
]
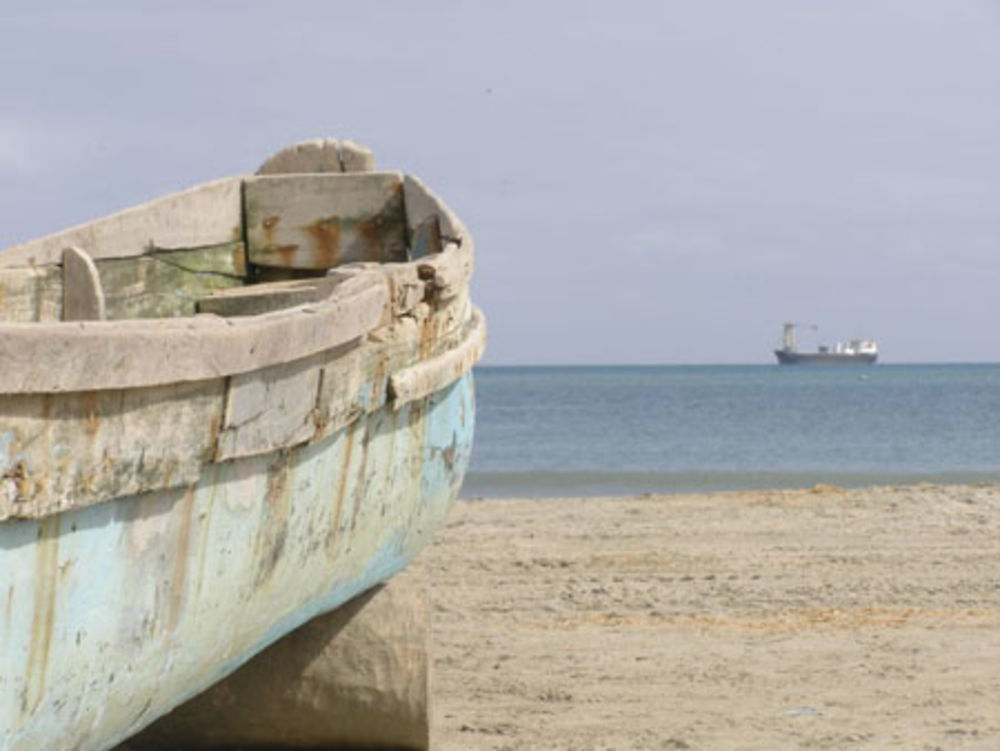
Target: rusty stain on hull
[
  {"x": 360, "y": 480},
  {"x": 287, "y": 254},
  {"x": 175, "y": 601},
  {"x": 46, "y": 583},
  {"x": 204, "y": 520},
  {"x": 449, "y": 453},
  {"x": 325, "y": 234},
  {"x": 343, "y": 477},
  {"x": 368, "y": 232},
  {"x": 269, "y": 224},
  {"x": 276, "y": 510},
  {"x": 212, "y": 445}
]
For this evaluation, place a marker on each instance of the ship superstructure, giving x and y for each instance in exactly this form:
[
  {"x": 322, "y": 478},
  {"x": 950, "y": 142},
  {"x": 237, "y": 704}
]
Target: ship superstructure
[{"x": 857, "y": 351}]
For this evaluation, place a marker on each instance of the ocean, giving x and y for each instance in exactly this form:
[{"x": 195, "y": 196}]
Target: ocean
[{"x": 570, "y": 431}]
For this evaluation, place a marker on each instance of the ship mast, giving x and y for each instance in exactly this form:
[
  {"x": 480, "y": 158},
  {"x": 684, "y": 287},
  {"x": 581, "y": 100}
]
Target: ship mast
[{"x": 788, "y": 343}]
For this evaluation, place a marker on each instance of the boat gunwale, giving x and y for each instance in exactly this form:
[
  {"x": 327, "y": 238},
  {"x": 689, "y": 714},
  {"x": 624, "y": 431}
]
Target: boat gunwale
[
  {"x": 136, "y": 353},
  {"x": 47, "y": 250}
]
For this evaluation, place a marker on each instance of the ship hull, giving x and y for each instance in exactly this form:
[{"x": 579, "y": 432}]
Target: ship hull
[{"x": 823, "y": 358}]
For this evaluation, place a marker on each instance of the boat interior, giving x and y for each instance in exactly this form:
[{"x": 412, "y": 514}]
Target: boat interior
[{"x": 235, "y": 247}]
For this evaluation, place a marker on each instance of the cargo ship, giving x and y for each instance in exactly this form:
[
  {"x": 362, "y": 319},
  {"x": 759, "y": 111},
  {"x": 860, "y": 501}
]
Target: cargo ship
[{"x": 855, "y": 352}]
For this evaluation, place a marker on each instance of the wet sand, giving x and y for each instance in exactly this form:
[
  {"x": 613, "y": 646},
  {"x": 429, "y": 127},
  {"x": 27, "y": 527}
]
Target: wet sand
[{"x": 820, "y": 619}]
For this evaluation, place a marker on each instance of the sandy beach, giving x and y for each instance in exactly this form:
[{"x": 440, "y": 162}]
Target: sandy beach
[{"x": 823, "y": 619}]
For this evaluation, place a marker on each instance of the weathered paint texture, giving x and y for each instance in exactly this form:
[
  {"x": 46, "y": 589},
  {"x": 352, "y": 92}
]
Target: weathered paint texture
[
  {"x": 267, "y": 410},
  {"x": 59, "y": 452},
  {"x": 31, "y": 293},
  {"x": 133, "y": 601}
]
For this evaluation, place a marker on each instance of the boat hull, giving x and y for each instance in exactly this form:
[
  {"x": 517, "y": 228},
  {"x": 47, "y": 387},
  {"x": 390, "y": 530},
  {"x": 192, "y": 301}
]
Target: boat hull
[
  {"x": 222, "y": 413},
  {"x": 823, "y": 358},
  {"x": 122, "y": 610}
]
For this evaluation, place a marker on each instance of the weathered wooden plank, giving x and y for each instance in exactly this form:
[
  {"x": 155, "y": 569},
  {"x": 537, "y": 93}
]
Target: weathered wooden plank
[
  {"x": 429, "y": 219},
  {"x": 83, "y": 294},
  {"x": 447, "y": 324},
  {"x": 430, "y": 375},
  {"x": 269, "y": 409},
  {"x": 124, "y": 354},
  {"x": 317, "y": 155},
  {"x": 59, "y": 452},
  {"x": 345, "y": 390},
  {"x": 31, "y": 293},
  {"x": 167, "y": 284},
  {"x": 323, "y": 221},
  {"x": 356, "y": 157},
  {"x": 425, "y": 239},
  {"x": 207, "y": 214},
  {"x": 355, "y": 383},
  {"x": 423, "y": 217},
  {"x": 265, "y": 298}
]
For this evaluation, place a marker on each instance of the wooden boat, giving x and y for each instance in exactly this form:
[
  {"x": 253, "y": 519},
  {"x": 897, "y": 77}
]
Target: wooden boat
[{"x": 221, "y": 413}]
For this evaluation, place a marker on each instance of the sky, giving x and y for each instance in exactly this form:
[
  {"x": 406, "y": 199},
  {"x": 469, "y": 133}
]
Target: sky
[{"x": 646, "y": 182}]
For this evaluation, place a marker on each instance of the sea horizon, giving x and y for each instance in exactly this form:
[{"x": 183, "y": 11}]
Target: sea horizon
[{"x": 880, "y": 364}]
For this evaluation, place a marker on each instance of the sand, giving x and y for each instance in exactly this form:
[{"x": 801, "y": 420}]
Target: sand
[{"x": 821, "y": 619}]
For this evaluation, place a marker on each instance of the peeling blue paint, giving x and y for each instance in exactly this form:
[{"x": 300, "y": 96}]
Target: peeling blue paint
[
  {"x": 147, "y": 600},
  {"x": 6, "y": 438}
]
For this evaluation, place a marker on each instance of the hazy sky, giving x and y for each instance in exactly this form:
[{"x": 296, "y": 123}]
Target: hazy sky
[{"x": 661, "y": 182}]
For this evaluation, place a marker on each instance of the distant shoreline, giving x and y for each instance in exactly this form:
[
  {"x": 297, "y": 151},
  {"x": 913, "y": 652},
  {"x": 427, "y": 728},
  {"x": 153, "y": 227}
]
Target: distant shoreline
[{"x": 569, "y": 484}]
